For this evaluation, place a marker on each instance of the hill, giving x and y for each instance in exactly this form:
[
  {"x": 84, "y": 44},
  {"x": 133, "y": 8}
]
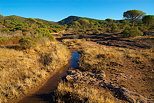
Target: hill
[
  {"x": 15, "y": 26},
  {"x": 23, "y": 19},
  {"x": 71, "y": 19}
]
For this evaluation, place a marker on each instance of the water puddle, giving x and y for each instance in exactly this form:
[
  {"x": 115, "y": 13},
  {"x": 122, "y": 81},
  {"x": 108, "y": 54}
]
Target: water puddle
[
  {"x": 74, "y": 60},
  {"x": 43, "y": 95}
]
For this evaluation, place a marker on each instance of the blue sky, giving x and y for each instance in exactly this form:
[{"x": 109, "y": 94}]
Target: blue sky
[{"x": 55, "y": 10}]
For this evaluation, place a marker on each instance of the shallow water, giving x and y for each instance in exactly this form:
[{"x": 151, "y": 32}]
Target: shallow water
[
  {"x": 43, "y": 95},
  {"x": 74, "y": 59}
]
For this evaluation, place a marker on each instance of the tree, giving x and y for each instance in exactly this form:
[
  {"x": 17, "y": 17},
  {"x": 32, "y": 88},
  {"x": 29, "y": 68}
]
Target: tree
[
  {"x": 109, "y": 20},
  {"x": 124, "y": 21},
  {"x": 133, "y": 15},
  {"x": 131, "y": 32},
  {"x": 148, "y": 20}
]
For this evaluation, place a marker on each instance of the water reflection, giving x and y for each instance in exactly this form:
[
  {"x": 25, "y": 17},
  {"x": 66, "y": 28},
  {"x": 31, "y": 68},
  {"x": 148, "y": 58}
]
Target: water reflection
[
  {"x": 44, "y": 94},
  {"x": 74, "y": 60}
]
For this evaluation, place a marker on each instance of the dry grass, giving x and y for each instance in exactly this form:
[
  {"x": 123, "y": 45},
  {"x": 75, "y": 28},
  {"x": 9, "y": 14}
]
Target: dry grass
[
  {"x": 131, "y": 68},
  {"x": 94, "y": 54},
  {"x": 75, "y": 93},
  {"x": 22, "y": 71}
]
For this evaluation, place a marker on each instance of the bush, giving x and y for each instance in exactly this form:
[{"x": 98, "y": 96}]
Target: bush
[
  {"x": 131, "y": 32},
  {"x": 27, "y": 42},
  {"x": 2, "y": 39},
  {"x": 143, "y": 28},
  {"x": 114, "y": 28},
  {"x": 5, "y": 30},
  {"x": 50, "y": 36}
]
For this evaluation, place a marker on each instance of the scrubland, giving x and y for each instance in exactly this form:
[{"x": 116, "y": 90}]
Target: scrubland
[
  {"x": 83, "y": 93},
  {"x": 131, "y": 68},
  {"x": 23, "y": 71},
  {"x": 118, "y": 54}
]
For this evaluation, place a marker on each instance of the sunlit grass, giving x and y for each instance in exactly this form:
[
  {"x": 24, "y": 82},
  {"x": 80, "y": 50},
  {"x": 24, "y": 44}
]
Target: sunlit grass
[
  {"x": 78, "y": 92},
  {"x": 21, "y": 71}
]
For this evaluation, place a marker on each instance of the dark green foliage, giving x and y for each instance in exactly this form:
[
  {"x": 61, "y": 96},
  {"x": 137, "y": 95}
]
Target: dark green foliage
[
  {"x": 73, "y": 24},
  {"x": 6, "y": 30},
  {"x": 84, "y": 21},
  {"x": 108, "y": 20},
  {"x": 27, "y": 42},
  {"x": 2, "y": 39},
  {"x": 85, "y": 25},
  {"x": 114, "y": 28},
  {"x": 133, "y": 15},
  {"x": 29, "y": 26},
  {"x": 69, "y": 20},
  {"x": 131, "y": 32},
  {"x": 50, "y": 36},
  {"x": 44, "y": 32},
  {"x": 148, "y": 20},
  {"x": 124, "y": 21},
  {"x": 143, "y": 28},
  {"x": 76, "y": 23}
]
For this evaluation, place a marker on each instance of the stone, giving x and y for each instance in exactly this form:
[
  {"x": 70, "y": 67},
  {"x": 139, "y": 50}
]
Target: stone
[
  {"x": 69, "y": 78},
  {"x": 132, "y": 97},
  {"x": 71, "y": 72},
  {"x": 98, "y": 79}
]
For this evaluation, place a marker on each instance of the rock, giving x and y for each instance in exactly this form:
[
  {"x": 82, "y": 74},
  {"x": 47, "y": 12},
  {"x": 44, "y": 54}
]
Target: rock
[
  {"x": 69, "y": 78},
  {"x": 132, "y": 97},
  {"x": 98, "y": 79},
  {"x": 124, "y": 94},
  {"x": 71, "y": 72}
]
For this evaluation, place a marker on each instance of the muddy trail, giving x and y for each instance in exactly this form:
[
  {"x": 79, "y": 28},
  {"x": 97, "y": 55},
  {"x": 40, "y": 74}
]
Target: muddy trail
[{"x": 43, "y": 95}]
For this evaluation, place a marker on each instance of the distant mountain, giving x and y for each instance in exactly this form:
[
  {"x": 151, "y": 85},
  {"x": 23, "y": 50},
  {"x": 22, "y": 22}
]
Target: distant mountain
[
  {"x": 23, "y": 19},
  {"x": 70, "y": 19},
  {"x": 27, "y": 26}
]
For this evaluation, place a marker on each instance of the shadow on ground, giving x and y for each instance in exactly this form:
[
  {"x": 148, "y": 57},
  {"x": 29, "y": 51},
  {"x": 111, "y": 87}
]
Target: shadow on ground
[{"x": 115, "y": 40}]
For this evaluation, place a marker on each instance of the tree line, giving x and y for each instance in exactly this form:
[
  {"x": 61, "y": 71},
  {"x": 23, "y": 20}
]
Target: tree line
[{"x": 135, "y": 22}]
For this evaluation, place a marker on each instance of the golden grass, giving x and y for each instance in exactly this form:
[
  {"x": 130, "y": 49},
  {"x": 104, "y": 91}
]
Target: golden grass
[
  {"x": 140, "y": 37},
  {"x": 95, "y": 54},
  {"x": 22, "y": 71},
  {"x": 131, "y": 68},
  {"x": 80, "y": 92}
]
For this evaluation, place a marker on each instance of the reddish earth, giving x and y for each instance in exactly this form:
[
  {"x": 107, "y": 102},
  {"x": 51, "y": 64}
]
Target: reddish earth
[{"x": 134, "y": 75}]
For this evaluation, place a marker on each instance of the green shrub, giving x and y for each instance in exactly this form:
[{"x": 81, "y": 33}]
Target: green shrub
[
  {"x": 44, "y": 32},
  {"x": 5, "y": 30},
  {"x": 27, "y": 42},
  {"x": 50, "y": 36},
  {"x": 2, "y": 39},
  {"x": 143, "y": 28},
  {"x": 131, "y": 32},
  {"x": 114, "y": 28}
]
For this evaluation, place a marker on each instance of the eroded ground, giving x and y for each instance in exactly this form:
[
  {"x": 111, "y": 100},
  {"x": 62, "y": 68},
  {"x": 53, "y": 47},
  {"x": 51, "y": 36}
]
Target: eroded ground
[{"x": 127, "y": 62}]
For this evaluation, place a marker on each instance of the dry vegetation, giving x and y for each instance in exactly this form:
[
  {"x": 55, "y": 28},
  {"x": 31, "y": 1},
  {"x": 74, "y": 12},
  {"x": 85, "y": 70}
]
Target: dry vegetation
[
  {"x": 21, "y": 71},
  {"x": 130, "y": 68},
  {"x": 83, "y": 93}
]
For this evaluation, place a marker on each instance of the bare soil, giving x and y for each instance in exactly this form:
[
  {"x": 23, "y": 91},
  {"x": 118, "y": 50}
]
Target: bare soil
[{"x": 134, "y": 70}]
